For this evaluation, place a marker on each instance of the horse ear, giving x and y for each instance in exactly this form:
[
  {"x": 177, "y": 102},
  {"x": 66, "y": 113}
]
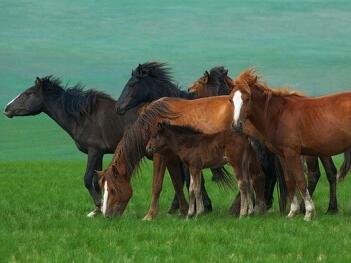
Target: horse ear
[
  {"x": 225, "y": 72},
  {"x": 38, "y": 82}
]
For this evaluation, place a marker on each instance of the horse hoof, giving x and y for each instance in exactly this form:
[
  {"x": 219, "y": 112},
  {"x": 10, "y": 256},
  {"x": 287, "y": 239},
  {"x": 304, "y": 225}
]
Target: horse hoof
[
  {"x": 172, "y": 211},
  {"x": 94, "y": 213},
  {"x": 147, "y": 218},
  {"x": 332, "y": 211},
  {"x": 307, "y": 218}
]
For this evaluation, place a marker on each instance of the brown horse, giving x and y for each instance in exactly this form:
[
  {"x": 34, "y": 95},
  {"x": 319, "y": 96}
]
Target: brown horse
[
  {"x": 201, "y": 151},
  {"x": 216, "y": 82},
  {"x": 209, "y": 115},
  {"x": 292, "y": 125}
]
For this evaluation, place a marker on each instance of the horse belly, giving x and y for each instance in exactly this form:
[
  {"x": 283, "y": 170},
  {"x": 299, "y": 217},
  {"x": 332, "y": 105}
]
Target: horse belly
[{"x": 328, "y": 145}]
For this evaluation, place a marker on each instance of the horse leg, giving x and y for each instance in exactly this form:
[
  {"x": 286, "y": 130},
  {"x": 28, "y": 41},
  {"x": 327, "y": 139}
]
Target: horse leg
[
  {"x": 313, "y": 175},
  {"x": 191, "y": 210},
  {"x": 346, "y": 165},
  {"x": 96, "y": 178},
  {"x": 197, "y": 176},
  {"x": 93, "y": 158},
  {"x": 330, "y": 171},
  {"x": 175, "y": 171},
  {"x": 294, "y": 166},
  {"x": 159, "y": 168},
  {"x": 205, "y": 198},
  {"x": 235, "y": 207},
  {"x": 291, "y": 187},
  {"x": 185, "y": 177}
]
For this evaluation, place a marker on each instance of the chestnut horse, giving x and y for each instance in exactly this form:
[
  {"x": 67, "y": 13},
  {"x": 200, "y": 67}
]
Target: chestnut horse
[
  {"x": 201, "y": 151},
  {"x": 208, "y": 115},
  {"x": 292, "y": 125},
  {"x": 216, "y": 82}
]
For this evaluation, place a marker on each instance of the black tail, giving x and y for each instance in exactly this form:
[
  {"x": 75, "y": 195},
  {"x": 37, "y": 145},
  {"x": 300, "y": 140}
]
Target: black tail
[
  {"x": 345, "y": 167},
  {"x": 273, "y": 173},
  {"x": 223, "y": 178}
]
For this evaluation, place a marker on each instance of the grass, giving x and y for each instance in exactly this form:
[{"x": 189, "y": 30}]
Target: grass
[
  {"x": 43, "y": 218},
  {"x": 43, "y": 203}
]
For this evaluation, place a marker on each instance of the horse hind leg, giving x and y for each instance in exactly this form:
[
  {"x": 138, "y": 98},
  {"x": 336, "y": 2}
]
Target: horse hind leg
[
  {"x": 331, "y": 171},
  {"x": 313, "y": 175}
]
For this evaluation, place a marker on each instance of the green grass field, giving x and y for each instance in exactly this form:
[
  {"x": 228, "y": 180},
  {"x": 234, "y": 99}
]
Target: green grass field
[{"x": 43, "y": 202}]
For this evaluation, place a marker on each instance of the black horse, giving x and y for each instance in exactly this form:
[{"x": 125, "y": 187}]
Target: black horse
[
  {"x": 87, "y": 116},
  {"x": 149, "y": 82}
]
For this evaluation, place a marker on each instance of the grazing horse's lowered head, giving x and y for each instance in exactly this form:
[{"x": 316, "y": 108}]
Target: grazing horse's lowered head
[
  {"x": 116, "y": 191},
  {"x": 148, "y": 82}
]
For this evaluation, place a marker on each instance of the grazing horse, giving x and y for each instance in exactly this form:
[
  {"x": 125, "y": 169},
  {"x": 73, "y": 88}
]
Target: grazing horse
[
  {"x": 208, "y": 115},
  {"x": 292, "y": 125},
  {"x": 88, "y": 117},
  {"x": 201, "y": 151},
  {"x": 216, "y": 82},
  {"x": 149, "y": 82}
]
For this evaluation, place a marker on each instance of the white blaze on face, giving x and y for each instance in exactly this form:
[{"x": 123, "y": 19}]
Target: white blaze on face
[
  {"x": 104, "y": 204},
  {"x": 13, "y": 100},
  {"x": 238, "y": 103}
]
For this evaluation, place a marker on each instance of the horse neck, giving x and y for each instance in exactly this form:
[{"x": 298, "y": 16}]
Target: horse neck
[
  {"x": 53, "y": 107},
  {"x": 264, "y": 111},
  {"x": 172, "y": 91}
]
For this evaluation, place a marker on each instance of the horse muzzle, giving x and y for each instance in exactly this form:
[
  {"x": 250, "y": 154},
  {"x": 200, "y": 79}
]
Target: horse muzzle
[
  {"x": 237, "y": 127},
  {"x": 8, "y": 113}
]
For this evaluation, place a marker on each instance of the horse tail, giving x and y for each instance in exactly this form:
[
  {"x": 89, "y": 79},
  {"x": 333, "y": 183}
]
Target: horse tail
[
  {"x": 345, "y": 167},
  {"x": 223, "y": 178}
]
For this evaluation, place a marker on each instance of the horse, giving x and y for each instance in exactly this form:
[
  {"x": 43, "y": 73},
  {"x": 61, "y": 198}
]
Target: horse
[
  {"x": 88, "y": 116},
  {"x": 201, "y": 151},
  {"x": 149, "y": 82},
  {"x": 216, "y": 82},
  {"x": 115, "y": 179},
  {"x": 292, "y": 125}
]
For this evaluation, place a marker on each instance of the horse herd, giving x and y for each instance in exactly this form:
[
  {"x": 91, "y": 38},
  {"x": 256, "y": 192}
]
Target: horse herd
[{"x": 266, "y": 135}]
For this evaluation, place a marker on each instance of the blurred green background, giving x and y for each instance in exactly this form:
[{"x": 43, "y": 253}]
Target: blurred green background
[{"x": 302, "y": 44}]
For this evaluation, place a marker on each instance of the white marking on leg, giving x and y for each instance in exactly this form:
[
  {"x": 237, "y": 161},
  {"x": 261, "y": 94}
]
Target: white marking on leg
[
  {"x": 238, "y": 103},
  {"x": 309, "y": 206},
  {"x": 294, "y": 207},
  {"x": 13, "y": 99},
  {"x": 104, "y": 204}
]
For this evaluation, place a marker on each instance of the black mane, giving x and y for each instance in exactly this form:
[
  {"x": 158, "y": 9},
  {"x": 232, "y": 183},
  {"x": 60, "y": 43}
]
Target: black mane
[
  {"x": 75, "y": 100},
  {"x": 217, "y": 77},
  {"x": 161, "y": 74}
]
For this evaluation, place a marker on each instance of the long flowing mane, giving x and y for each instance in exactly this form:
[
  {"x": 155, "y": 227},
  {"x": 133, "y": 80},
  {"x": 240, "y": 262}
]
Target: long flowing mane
[
  {"x": 161, "y": 75},
  {"x": 251, "y": 78},
  {"x": 75, "y": 100},
  {"x": 137, "y": 135}
]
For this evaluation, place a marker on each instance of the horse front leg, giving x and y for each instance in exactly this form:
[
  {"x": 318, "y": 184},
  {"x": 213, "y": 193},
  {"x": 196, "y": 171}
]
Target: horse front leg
[
  {"x": 94, "y": 162},
  {"x": 159, "y": 168},
  {"x": 294, "y": 167},
  {"x": 313, "y": 175},
  {"x": 175, "y": 169},
  {"x": 291, "y": 189},
  {"x": 331, "y": 171},
  {"x": 196, "y": 174}
]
